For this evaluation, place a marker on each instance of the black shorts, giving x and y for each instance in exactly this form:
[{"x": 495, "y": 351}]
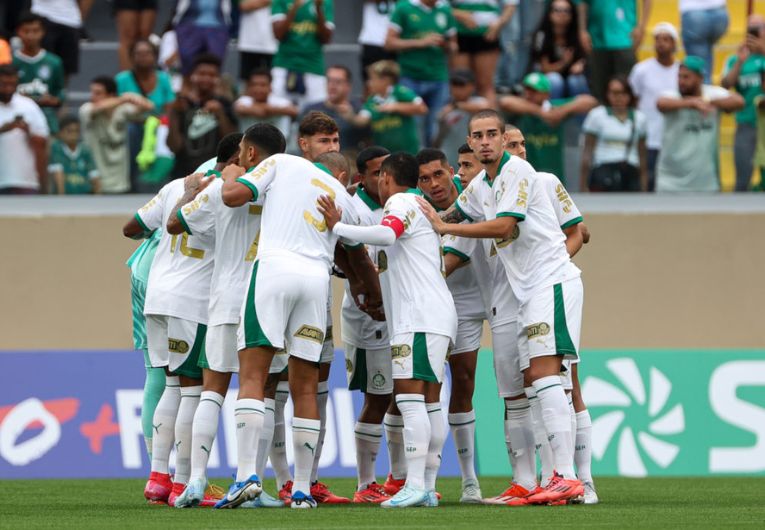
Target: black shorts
[
  {"x": 473, "y": 44},
  {"x": 250, "y": 61},
  {"x": 135, "y": 5},
  {"x": 372, "y": 54},
  {"x": 64, "y": 41}
]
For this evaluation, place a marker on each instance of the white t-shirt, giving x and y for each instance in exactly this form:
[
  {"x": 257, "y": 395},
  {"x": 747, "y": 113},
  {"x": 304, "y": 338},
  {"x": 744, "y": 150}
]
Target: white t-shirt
[
  {"x": 236, "y": 232},
  {"x": 179, "y": 279},
  {"x": 613, "y": 135},
  {"x": 256, "y": 34},
  {"x": 535, "y": 255},
  {"x": 374, "y": 23},
  {"x": 415, "y": 294},
  {"x": 648, "y": 80},
  {"x": 291, "y": 223},
  {"x": 694, "y": 5},
  {"x": 18, "y": 169},
  {"x": 65, "y": 12},
  {"x": 280, "y": 122},
  {"x": 358, "y": 328}
]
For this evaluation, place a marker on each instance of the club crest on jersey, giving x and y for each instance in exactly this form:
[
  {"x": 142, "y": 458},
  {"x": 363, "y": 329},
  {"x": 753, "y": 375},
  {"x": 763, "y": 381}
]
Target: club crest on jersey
[
  {"x": 537, "y": 330},
  {"x": 178, "y": 346},
  {"x": 441, "y": 20},
  {"x": 400, "y": 351},
  {"x": 310, "y": 333}
]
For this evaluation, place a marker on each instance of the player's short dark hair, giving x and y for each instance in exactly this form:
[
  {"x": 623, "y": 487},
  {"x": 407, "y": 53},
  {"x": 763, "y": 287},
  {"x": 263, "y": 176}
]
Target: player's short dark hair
[
  {"x": 316, "y": 122},
  {"x": 227, "y": 146},
  {"x": 487, "y": 113},
  {"x": 336, "y": 162},
  {"x": 403, "y": 167},
  {"x": 464, "y": 149},
  {"x": 107, "y": 82},
  {"x": 206, "y": 58},
  {"x": 431, "y": 154},
  {"x": 30, "y": 18},
  {"x": 68, "y": 120},
  {"x": 345, "y": 69},
  {"x": 8, "y": 70},
  {"x": 261, "y": 72},
  {"x": 370, "y": 153},
  {"x": 266, "y": 137}
]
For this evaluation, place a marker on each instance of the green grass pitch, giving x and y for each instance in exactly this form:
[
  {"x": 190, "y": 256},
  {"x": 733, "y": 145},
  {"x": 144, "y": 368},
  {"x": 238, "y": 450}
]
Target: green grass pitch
[{"x": 660, "y": 502}]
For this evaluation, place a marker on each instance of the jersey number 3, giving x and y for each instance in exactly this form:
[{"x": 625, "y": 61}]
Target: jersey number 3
[{"x": 318, "y": 224}]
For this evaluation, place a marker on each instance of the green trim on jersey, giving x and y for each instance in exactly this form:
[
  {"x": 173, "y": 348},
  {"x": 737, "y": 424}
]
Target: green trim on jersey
[
  {"x": 359, "y": 377},
  {"x": 572, "y": 222},
  {"x": 518, "y": 216},
  {"x": 179, "y": 215},
  {"x": 324, "y": 168},
  {"x": 252, "y": 187},
  {"x": 466, "y": 216},
  {"x": 563, "y": 343},
  {"x": 421, "y": 369},
  {"x": 212, "y": 172},
  {"x": 253, "y": 333},
  {"x": 190, "y": 367},
  {"x": 362, "y": 194},
  {"x": 143, "y": 225},
  {"x": 502, "y": 161},
  {"x": 464, "y": 257},
  {"x": 414, "y": 191}
]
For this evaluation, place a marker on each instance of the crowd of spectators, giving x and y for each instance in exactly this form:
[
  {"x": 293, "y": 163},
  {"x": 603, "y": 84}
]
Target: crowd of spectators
[{"x": 427, "y": 66}]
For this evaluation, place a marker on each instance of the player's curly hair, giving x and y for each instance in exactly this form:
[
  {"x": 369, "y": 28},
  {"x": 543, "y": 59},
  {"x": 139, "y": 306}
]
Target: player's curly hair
[{"x": 316, "y": 122}]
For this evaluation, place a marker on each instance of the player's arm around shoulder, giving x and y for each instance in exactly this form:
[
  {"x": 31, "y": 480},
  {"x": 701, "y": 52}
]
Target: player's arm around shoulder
[{"x": 197, "y": 216}]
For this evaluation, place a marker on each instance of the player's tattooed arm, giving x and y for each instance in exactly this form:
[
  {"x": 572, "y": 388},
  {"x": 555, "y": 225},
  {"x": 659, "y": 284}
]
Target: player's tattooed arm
[
  {"x": 193, "y": 185},
  {"x": 452, "y": 215}
]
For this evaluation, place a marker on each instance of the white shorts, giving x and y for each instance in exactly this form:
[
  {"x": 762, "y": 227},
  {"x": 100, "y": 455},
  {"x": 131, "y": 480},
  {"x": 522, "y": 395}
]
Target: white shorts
[
  {"x": 315, "y": 87},
  {"x": 420, "y": 356},
  {"x": 507, "y": 368},
  {"x": 286, "y": 307},
  {"x": 468, "y": 336},
  {"x": 221, "y": 348},
  {"x": 551, "y": 321},
  {"x": 175, "y": 343},
  {"x": 278, "y": 363},
  {"x": 369, "y": 370}
]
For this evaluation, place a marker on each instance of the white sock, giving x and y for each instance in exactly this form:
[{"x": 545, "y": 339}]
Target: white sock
[
  {"x": 437, "y": 438},
  {"x": 203, "y": 432},
  {"x": 278, "y": 452},
  {"x": 416, "y": 435},
  {"x": 164, "y": 424},
  {"x": 572, "y": 419},
  {"x": 266, "y": 435},
  {"x": 541, "y": 443},
  {"x": 368, "y": 437},
  {"x": 322, "y": 395},
  {"x": 519, "y": 433},
  {"x": 394, "y": 428},
  {"x": 305, "y": 439},
  {"x": 248, "y": 414},
  {"x": 583, "y": 453},
  {"x": 557, "y": 422},
  {"x": 147, "y": 442},
  {"x": 183, "y": 425},
  {"x": 462, "y": 427}
]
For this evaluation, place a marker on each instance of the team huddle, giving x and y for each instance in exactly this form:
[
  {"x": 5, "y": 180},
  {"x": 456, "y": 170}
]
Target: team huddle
[{"x": 235, "y": 277}]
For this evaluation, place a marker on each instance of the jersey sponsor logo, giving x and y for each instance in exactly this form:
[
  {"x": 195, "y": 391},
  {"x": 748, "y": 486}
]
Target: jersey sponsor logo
[
  {"x": 262, "y": 169},
  {"x": 523, "y": 195},
  {"x": 178, "y": 346},
  {"x": 400, "y": 351},
  {"x": 564, "y": 198},
  {"x": 306, "y": 27},
  {"x": 537, "y": 330},
  {"x": 310, "y": 333},
  {"x": 195, "y": 204}
]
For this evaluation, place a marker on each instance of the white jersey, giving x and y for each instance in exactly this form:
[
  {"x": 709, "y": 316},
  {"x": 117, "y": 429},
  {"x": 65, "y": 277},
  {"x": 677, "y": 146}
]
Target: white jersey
[
  {"x": 236, "y": 245},
  {"x": 415, "y": 294},
  {"x": 463, "y": 283},
  {"x": 179, "y": 279},
  {"x": 535, "y": 255},
  {"x": 291, "y": 223},
  {"x": 358, "y": 328}
]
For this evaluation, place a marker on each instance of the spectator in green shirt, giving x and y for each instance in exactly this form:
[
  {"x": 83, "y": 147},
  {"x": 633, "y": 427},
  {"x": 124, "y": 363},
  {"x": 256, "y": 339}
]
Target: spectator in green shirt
[
  {"x": 71, "y": 163},
  {"x": 743, "y": 72},
  {"x": 541, "y": 120},
  {"x": 302, "y": 28},
  {"x": 611, "y": 32},
  {"x": 424, "y": 33},
  {"x": 41, "y": 73}
]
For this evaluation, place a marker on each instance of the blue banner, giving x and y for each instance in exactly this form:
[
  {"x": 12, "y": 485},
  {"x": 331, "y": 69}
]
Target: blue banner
[{"x": 77, "y": 414}]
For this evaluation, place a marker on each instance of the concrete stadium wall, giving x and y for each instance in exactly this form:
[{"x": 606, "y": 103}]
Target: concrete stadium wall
[{"x": 677, "y": 272}]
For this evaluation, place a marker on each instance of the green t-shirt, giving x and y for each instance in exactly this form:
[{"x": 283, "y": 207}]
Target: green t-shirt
[
  {"x": 759, "y": 156},
  {"x": 395, "y": 132},
  {"x": 484, "y": 13},
  {"x": 610, "y": 23},
  {"x": 78, "y": 167},
  {"x": 544, "y": 144},
  {"x": 413, "y": 20},
  {"x": 301, "y": 50},
  {"x": 41, "y": 75},
  {"x": 749, "y": 85},
  {"x": 161, "y": 95}
]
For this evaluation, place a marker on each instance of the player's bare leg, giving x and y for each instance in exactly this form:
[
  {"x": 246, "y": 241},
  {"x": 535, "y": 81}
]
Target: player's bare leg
[
  {"x": 304, "y": 382},
  {"x": 462, "y": 421}
]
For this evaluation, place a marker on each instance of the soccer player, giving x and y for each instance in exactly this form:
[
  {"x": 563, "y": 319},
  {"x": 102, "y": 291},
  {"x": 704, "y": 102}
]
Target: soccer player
[
  {"x": 441, "y": 187},
  {"x": 420, "y": 315},
  {"x": 468, "y": 166},
  {"x": 285, "y": 307},
  {"x": 543, "y": 278}
]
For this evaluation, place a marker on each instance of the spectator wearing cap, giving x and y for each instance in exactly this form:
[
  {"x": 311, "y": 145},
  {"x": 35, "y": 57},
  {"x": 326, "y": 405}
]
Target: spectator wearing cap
[
  {"x": 743, "y": 72},
  {"x": 650, "y": 78},
  {"x": 454, "y": 117},
  {"x": 541, "y": 120},
  {"x": 424, "y": 34},
  {"x": 688, "y": 160},
  {"x": 201, "y": 27},
  {"x": 610, "y": 31},
  {"x": 703, "y": 23}
]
